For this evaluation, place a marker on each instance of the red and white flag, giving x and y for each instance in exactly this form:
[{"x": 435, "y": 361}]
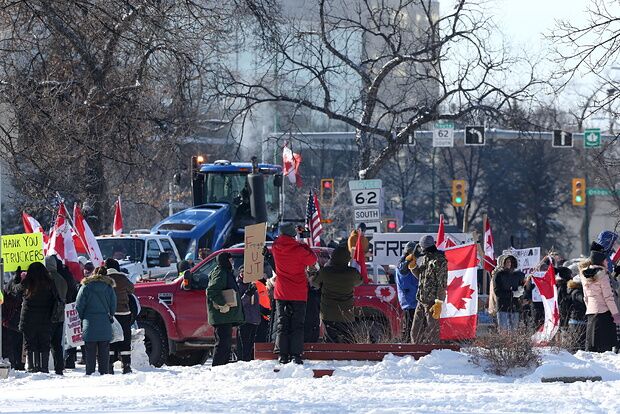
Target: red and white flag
[
  {"x": 117, "y": 228},
  {"x": 359, "y": 258},
  {"x": 31, "y": 225},
  {"x": 549, "y": 294},
  {"x": 86, "y": 236},
  {"x": 291, "y": 162},
  {"x": 61, "y": 243},
  {"x": 313, "y": 220},
  {"x": 489, "y": 253},
  {"x": 459, "y": 312},
  {"x": 441, "y": 235},
  {"x": 616, "y": 256},
  {"x": 443, "y": 241}
]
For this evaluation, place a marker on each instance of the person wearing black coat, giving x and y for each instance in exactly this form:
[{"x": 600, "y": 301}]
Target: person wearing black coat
[
  {"x": 11, "y": 310},
  {"x": 577, "y": 313},
  {"x": 72, "y": 291},
  {"x": 35, "y": 320},
  {"x": 507, "y": 286}
]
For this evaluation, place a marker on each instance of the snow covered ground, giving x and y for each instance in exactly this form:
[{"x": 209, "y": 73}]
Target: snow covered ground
[{"x": 443, "y": 382}]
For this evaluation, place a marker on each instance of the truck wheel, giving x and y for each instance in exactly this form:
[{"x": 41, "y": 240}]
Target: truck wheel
[{"x": 155, "y": 342}]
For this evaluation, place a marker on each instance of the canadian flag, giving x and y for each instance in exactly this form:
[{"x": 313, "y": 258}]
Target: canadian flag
[
  {"x": 443, "y": 242},
  {"x": 61, "y": 243},
  {"x": 459, "y": 312},
  {"x": 489, "y": 253},
  {"x": 86, "y": 236},
  {"x": 117, "y": 229},
  {"x": 291, "y": 162},
  {"x": 31, "y": 225},
  {"x": 549, "y": 294},
  {"x": 359, "y": 259}
]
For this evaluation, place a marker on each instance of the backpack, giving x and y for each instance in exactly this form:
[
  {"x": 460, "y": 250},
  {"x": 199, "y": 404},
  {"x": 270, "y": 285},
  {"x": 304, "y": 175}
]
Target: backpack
[{"x": 58, "y": 309}]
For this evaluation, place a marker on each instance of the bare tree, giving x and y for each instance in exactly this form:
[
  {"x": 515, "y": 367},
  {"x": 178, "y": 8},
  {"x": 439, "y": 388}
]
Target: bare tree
[
  {"x": 383, "y": 68},
  {"x": 99, "y": 94}
]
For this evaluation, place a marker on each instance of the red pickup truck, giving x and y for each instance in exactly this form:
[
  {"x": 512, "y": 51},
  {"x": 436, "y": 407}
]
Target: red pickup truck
[{"x": 174, "y": 317}]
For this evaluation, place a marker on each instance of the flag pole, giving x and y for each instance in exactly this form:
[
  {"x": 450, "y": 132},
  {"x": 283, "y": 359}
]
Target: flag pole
[{"x": 485, "y": 273}]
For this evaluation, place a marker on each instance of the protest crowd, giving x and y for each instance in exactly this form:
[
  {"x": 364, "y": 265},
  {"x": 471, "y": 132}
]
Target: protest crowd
[{"x": 296, "y": 295}]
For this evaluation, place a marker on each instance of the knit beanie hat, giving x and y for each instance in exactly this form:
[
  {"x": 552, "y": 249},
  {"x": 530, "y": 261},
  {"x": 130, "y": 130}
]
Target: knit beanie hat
[
  {"x": 427, "y": 241},
  {"x": 597, "y": 258},
  {"x": 288, "y": 229},
  {"x": 223, "y": 260},
  {"x": 112, "y": 264}
]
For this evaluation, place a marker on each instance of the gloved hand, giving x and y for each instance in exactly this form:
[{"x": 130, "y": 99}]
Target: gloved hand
[
  {"x": 412, "y": 262},
  {"x": 251, "y": 289},
  {"x": 18, "y": 275},
  {"x": 436, "y": 309},
  {"x": 224, "y": 309},
  {"x": 617, "y": 318}
]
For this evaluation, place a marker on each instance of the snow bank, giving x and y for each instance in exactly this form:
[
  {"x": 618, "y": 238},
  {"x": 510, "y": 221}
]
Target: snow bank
[{"x": 442, "y": 382}]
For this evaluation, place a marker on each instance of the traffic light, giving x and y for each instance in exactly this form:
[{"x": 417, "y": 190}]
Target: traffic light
[
  {"x": 579, "y": 191},
  {"x": 327, "y": 191},
  {"x": 459, "y": 197},
  {"x": 391, "y": 225},
  {"x": 197, "y": 161}
]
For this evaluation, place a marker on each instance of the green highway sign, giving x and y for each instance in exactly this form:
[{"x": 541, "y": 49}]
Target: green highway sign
[
  {"x": 592, "y": 138},
  {"x": 600, "y": 192}
]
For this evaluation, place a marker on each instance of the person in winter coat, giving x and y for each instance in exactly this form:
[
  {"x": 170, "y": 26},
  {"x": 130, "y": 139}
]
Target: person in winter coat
[
  {"x": 431, "y": 269},
  {"x": 246, "y": 333},
  {"x": 72, "y": 290},
  {"x": 508, "y": 288},
  {"x": 562, "y": 276},
  {"x": 96, "y": 303},
  {"x": 601, "y": 310},
  {"x": 352, "y": 240},
  {"x": 577, "y": 313},
  {"x": 35, "y": 321},
  {"x": 291, "y": 292},
  {"x": 222, "y": 316},
  {"x": 337, "y": 281},
  {"x": 407, "y": 288},
  {"x": 123, "y": 289},
  {"x": 58, "y": 322},
  {"x": 11, "y": 310}
]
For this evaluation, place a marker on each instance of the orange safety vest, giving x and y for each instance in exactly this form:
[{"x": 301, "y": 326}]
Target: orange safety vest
[{"x": 263, "y": 296}]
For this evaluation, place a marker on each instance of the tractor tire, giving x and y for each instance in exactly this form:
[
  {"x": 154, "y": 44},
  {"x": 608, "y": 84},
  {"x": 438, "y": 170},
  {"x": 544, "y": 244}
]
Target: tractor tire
[{"x": 155, "y": 342}]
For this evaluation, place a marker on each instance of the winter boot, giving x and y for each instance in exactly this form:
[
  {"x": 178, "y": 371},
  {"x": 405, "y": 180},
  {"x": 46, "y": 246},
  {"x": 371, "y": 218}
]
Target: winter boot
[
  {"x": 126, "y": 359},
  {"x": 284, "y": 359},
  {"x": 37, "y": 362},
  {"x": 30, "y": 358},
  {"x": 297, "y": 360},
  {"x": 45, "y": 362}
]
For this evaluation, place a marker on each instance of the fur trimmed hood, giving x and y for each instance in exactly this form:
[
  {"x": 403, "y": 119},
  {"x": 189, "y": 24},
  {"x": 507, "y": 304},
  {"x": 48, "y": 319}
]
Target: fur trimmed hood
[
  {"x": 98, "y": 278},
  {"x": 589, "y": 271}
]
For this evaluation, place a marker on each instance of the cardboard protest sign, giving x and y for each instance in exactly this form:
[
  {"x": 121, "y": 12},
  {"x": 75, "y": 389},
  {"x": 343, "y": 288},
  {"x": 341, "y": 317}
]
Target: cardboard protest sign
[
  {"x": 253, "y": 260},
  {"x": 20, "y": 250},
  {"x": 527, "y": 259},
  {"x": 73, "y": 327}
]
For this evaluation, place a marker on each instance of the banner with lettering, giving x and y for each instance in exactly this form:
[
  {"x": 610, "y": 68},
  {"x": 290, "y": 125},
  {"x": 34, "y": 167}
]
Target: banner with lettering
[
  {"x": 73, "y": 327},
  {"x": 21, "y": 250}
]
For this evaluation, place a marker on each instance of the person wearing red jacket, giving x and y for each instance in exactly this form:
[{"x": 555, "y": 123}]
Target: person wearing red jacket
[{"x": 291, "y": 292}]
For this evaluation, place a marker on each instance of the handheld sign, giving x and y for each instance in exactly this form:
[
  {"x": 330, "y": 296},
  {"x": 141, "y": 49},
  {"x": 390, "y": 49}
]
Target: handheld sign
[
  {"x": 253, "y": 260},
  {"x": 21, "y": 250}
]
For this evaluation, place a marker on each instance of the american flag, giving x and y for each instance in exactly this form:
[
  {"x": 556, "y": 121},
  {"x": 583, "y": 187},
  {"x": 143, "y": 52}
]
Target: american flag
[{"x": 313, "y": 220}]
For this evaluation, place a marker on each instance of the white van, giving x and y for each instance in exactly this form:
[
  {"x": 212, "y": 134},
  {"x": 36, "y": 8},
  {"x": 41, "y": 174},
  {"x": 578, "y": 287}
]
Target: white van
[{"x": 143, "y": 255}]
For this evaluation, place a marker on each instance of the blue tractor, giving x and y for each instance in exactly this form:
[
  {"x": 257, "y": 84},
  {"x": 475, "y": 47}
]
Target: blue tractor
[{"x": 227, "y": 196}]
